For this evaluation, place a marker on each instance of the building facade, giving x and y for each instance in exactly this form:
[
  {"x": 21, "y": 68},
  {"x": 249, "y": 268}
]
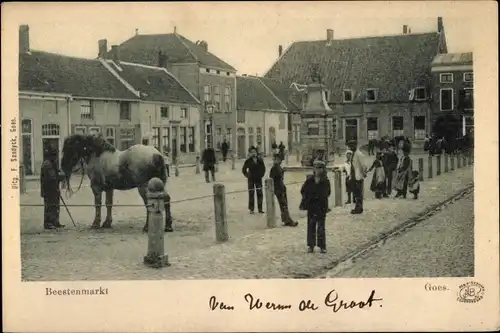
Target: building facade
[
  {"x": 453, "y": 90},
  {"x": 376, "y": 86},
  {"x": 211, "y": 80}
]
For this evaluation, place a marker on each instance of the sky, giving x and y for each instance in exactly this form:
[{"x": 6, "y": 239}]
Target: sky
[{"x": 245, "y": 35}]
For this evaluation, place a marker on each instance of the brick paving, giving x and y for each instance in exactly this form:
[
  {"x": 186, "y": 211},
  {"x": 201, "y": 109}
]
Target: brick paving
[{"x": 253, "y": 251}]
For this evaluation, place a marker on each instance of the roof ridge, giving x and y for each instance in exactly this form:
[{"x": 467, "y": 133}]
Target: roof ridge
[
  {"x": 180, "y": 83},
  {"x": 366, "y": 37},
  {"x": 272, "y": 93},
  {"x": 60, "y": 55},
  {"x": 279, "y": 58},
  {"x": 187, "y": 47}
]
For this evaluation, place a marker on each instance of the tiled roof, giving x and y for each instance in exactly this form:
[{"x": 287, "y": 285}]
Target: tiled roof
[
  {"x": 144, "y": 49},
  {"x": 453, "y": 59},
  {"x": 252, "y": 94},
  {"x": 54, "y": 73},
  {"x": 157, "y": 84},
  {"x": 391, "y": 64},
  {"x": 283, "y": 92}
]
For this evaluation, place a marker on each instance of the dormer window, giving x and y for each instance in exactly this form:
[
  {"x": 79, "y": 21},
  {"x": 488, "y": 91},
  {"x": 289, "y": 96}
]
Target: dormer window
[
  {"x": 446, "y": 78},
  {"x": 420, "y": 94},
  {"x": 207, "y": 70},
  {"x": 371, "y": 95},
  {"x": 347, "y": 95}
]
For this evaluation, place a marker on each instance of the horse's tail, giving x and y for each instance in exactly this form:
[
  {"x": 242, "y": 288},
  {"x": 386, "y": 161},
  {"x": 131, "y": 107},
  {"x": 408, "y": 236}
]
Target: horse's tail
[{"x": 159, "y": 165}]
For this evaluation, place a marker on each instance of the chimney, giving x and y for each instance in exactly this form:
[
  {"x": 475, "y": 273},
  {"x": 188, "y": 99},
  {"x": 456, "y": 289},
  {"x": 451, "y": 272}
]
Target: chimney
[
  {"x": 175, "y": 29},
  {"x": 115, "y": 51},
  {"x": 440, "y": 24},
  {"x": 280, "y": 50},
  {"x": 136, "y": 31},
  {"x": 329, "y": 35},
  {"x": 204, "y": 45},
  {"x": 405, "y": 29},
  {"x": 24, "y": 39},
  {"x": 103, "y": 48}
]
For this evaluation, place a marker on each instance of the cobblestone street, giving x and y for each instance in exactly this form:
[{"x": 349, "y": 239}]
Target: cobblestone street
[{"x": 253, "y": 251}]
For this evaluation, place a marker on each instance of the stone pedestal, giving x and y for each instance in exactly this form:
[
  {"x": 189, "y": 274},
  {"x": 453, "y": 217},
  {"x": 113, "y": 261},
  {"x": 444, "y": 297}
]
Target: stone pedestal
[{"x": 317, "y": 131}]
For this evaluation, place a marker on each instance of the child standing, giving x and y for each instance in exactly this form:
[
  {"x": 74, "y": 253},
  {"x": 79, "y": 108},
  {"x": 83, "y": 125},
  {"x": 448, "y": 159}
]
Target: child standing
[
  {"x": 378, "y": 180},
  {"x": 276, "y": 174},
  {"x": 414, "y": 184},
  {"x": 315, "y": 193}
]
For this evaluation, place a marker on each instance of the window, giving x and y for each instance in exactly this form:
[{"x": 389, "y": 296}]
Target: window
[
  {"x": 206, "y": 93},
  {"x": 50, "y": 130},
  {"x": 469, "y": 124},
  {"x": 217, "y": 98},
  {"x": 397, "y": 126},
  {"x": 419, "y": 127},
  {"x": 250, "y": 137},
  {"x": 191, "y": 139},
  {"x": 155, "y": 138},
  {"x": 94, "y": 130},
  {"x": 207, "y": 70},
  {"x": 183, "y": 140},
  {"x": 227, "y": 99},
  {"x": 80, "y": 130},
  {"x": 164, "y": 111},
  {"x": 27, "y": 146},
  {"x": 347, "y": 95},
  {"x": 371, "y": 95},
  {"x": 227, "y": 73},
  {"x": 184, "y": 113},
  {"x": 208, "y": 134},
  {"x": 420, "y": 94},
  {"x": 218, "y": 136},
  {"x": 372, "y": 127},
  {"x": 218, "y": 71},
  {"x": 165, "y": 142},
  {"x": 282, "y": 122},
  {"x": 467, "y": 98},
  {"x": 351, "y": 129},
  {"x": 313, "y": 129},
  {"x": 326, "y": 95},
  {"x": 259, "y": 136},
  {"x": 228, "y": 134},
  {"x": 86, "y": 110},
  {"x": 446, "y": 99},
  {"x": 296, "y": 133},
  {"x": 446, "y": 78},
  {"x": 110, "y": 135},
  {"x": 468, "y": 77},
  {"x": 125, "y": 112},
  {"x": 127, "y": 138}
]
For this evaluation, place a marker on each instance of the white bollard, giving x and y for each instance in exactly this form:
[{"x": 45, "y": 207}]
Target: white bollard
[{"x": 156, "y": 257}]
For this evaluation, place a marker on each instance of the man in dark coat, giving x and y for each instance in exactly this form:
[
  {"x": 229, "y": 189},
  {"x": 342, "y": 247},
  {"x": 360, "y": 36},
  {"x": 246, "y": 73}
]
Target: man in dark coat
[
  {"x": 281, "y": 149},
  {"x": 224, "y": 148},
  {"x": 277, "y": 175},
  {"x": 50, "y": 191},
  {"x": 254, "y": 169},
  {"x": 390, "y": 162},
  {"x": 208, "y": 159}
]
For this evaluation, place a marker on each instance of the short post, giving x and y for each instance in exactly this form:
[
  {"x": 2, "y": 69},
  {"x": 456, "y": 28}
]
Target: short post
[
  {"x": 297, "y": 152},
  {"x": 452, "y": 162},
  {"x": 22, "y": 179},
  {"x": 464, "y": 160},
  {"x": 270, "y": 213},
  {"x": 221, "y": 234},
  {"x": 421, "y": 169},
  {"x": 459, "y": 164},
  {"x": 156, "y": 257},
  {"x": 429, "y": 168},
  {"x": 446, "y": 162},
  {"x": 438, "y": 165},
  {"x": 176, "y": 169},
  {"x": 337, "y": 183},
  {"x": 197, "y": 164},
  {"x": 233, "y": 161}
]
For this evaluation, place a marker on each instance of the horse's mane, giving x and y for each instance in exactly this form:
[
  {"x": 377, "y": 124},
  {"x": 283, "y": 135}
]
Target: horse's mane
[{"x": 95, "y": 144}]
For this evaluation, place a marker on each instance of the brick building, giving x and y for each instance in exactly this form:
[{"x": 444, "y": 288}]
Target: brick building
[
  {"x": 376, "y": 85},
  {"x": 453, "y": 89},
  {"x": 206, "y": 76}
]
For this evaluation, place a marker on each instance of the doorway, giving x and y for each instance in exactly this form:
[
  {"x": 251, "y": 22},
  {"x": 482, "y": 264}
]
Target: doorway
[
  {"x": 174, "y": 143},
  {"x": 351, "y": 130},
  {"x": 272, "y": 138},
  {"x": 27, "y": 146},
  {"x": 241, "y": 143}
]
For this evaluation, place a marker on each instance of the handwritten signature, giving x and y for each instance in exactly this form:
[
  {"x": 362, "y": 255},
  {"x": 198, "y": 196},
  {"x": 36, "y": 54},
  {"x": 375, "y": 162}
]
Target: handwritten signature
[{"x": 331, "y": 300}]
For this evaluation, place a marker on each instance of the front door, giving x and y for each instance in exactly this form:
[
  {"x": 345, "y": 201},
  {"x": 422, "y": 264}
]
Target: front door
[
  {"x": 52, "y": 143},
  {"x": 351, "y": 130},
  {"x": 174, "y": 142},
  {"x": 241, "y": 146}
]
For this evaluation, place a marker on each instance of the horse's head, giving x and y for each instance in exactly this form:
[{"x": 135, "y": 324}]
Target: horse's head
[{"x": 75, "y": 148}]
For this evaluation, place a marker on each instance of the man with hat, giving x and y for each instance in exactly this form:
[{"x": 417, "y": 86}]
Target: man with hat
[
  {"x": 358, "y": 174},
  {"x": 50, "y": 192}
]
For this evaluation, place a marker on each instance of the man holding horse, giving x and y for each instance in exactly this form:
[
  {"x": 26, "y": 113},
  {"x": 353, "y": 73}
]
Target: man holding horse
[{"x": 50, "y": 191}]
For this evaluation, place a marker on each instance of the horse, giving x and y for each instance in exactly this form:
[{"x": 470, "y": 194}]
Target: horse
[{"x": 110, "y": 169}]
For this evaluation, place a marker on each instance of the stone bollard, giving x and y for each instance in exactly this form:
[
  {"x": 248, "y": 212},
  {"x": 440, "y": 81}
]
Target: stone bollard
[
  {"x": 459, "y": 164},
  {"x": 464, "y": 160},
  {"x": 221, "y": 234},
  {"x": 233, "y": 162},
  {"x": 270, "y": 206},
  {"x": 452, "y": 162},
  {"x": 446, "y": 162},
  {"x": 22, "y": 179},
  {"x": 421, "y": 169},
  {"x": 429, "y": 168},
  {"x": 176, "y": 169},
  {"x": 438, "y": 165},
  {"x": 197, "y": 164},
  {"x": 297, "y": 153},
  {"x": 337, "y": 183},
  {"x": 156, "y": 257}
]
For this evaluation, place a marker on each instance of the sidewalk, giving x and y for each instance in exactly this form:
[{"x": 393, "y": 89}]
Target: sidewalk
[{"x": 253, "y": 251}]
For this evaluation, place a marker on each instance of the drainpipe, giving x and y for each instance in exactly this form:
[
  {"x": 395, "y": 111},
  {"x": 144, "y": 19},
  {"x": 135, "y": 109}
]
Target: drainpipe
[{"x": 68, "y": 110}]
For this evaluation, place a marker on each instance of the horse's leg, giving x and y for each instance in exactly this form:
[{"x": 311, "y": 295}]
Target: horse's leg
[
  {"x": 109, "y": 208},
  {"x": 143, "y": 191},
  {"x": 98, "y": 203}
]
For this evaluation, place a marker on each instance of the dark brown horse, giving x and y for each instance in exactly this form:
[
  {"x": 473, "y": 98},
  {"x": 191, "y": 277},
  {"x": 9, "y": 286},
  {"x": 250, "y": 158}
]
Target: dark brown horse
[{"x": 110, "y": 169}]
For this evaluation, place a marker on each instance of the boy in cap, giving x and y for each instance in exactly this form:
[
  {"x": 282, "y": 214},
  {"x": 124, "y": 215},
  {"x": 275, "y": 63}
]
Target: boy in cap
[{"x": 276, "y": 174}]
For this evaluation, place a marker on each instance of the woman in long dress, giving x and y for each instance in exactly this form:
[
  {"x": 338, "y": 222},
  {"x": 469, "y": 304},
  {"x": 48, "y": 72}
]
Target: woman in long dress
[{"x": 403, "y": 173}]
